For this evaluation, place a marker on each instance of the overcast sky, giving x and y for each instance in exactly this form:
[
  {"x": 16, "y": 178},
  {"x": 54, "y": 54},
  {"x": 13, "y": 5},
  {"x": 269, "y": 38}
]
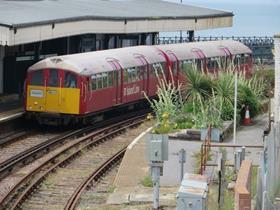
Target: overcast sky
[{"x": 201, "y": 2}]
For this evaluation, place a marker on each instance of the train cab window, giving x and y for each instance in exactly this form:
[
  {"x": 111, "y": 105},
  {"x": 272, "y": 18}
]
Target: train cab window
[
  {"x": 53, "y": 78},
  {"x": 37, "y": 78},
  {"x": 70, "y": 80}
]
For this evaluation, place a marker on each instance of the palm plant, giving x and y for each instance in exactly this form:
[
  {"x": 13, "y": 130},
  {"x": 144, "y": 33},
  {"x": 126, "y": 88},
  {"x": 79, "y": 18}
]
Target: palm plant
[
  {"x": 198, "y": 86},
  {"x": 224, "y": 91}
]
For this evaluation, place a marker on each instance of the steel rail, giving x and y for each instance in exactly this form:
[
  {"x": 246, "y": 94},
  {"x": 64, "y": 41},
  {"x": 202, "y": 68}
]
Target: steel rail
[
  {"x": 94, "y": 176},
  {"x": 92, "y": 136},
  {"x": 7, "y": 166}
]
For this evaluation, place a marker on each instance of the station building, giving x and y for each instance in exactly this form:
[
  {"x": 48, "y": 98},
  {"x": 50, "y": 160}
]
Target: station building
[{"x": 31, "y": 30}]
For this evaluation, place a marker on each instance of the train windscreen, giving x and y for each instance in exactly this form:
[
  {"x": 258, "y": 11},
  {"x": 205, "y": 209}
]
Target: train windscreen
[{"x": 37, "y": 78}]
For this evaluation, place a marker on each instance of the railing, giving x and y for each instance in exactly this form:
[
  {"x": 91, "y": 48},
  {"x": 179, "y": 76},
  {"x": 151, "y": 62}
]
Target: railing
[
  {"x": 260, "y": 45},
  {"x": 268, "y": 184},
  {"x": 205, "y": 149}
]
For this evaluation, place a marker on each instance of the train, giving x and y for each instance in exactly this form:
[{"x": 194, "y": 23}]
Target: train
[{"x": 80, "y": 88}]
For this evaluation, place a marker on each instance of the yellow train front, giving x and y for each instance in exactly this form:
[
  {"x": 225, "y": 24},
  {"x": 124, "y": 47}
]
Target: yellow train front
[{"x": 53, "y": 96}]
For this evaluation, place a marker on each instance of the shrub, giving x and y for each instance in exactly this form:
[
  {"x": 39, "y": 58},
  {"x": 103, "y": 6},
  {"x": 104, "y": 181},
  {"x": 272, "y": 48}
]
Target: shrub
[
  {"x": 198, "y": 86},
  {"x": 167, "y": 105}
]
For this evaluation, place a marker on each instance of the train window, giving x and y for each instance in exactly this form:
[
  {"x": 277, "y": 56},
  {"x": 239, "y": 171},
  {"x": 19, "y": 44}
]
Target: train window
[
  {"x": 187, "y": 65},
  {"x": 116, "y": 79},
  {"x": 236, "y": 60},
  {"x": 99, "y": 81},
  {"x": 199, "y": 64},
  {"x": 93, "y": 82},
  {"x": 53, "y": 78},
  {"x": 105, "y": 79},
  {"x": 212, "y": 63},
  {"x": 125, "y": 75},
  {"x": 37, "y": 78},
  {"x": 110, "y": 79},
  {"x": 70, "y": 80},
  {"x": 143, "y": 72}
]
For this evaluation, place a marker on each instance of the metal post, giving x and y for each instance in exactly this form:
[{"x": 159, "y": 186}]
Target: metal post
[
  {"x": 155, "y": 178},
  {"x": 182, "y": 160},
  {"x": 181, "y": 36},
  {"x": 243, "y": 150},
  {"x": 237, "y": 158},
  {"x": 235, "y": 107},
  {"x": 277, "y": 78}
]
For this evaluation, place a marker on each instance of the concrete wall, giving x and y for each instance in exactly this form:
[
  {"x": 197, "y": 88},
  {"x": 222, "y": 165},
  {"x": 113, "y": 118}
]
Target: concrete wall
[
  {"x": 2, "y": 52},
  {"x": 277, "y": 78},
  {"x": 242, "y": 189}
]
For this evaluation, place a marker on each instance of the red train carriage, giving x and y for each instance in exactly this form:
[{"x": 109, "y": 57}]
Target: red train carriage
[{"x": 81, "y": 87}]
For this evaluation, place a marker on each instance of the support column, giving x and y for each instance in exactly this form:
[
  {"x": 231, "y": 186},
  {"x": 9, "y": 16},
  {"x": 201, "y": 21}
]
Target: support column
[
  {"x": 2, "y": 54},
  {"x": 277, "y": 78},
  {"x": 191, "y": 36}
]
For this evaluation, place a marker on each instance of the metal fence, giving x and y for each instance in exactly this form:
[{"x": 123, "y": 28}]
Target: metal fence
[
  {"x": 261, "y": 46},
  {"x": 268, "y": 183}
]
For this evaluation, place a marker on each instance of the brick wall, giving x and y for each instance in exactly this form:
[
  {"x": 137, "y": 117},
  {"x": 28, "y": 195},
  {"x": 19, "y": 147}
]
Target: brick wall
[{"x": 242, "y": 189}]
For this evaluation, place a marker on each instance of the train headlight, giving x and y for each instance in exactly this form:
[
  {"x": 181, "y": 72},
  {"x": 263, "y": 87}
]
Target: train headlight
[{"x": 35, "y": 103}]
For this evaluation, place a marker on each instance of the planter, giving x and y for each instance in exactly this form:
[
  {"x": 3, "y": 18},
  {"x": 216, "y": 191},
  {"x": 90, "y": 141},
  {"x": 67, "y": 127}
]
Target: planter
[{"x": 215, "y": 134}]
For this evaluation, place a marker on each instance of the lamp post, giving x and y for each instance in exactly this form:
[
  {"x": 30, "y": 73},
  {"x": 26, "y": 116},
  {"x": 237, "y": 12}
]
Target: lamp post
[
  {"x": 181, "y": 36},
  {"x": 277, "y": 78}
]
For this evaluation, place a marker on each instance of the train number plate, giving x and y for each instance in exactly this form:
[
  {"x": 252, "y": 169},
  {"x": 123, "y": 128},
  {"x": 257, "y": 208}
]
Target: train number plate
[{"x": 36, "y": 93}]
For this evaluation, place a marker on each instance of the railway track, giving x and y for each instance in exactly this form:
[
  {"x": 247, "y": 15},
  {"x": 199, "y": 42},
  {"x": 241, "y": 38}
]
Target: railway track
[
  {"x": 35, "y": 148},
  {"x": 74, "y": 148},
  {"x": 93, "y": 177}
]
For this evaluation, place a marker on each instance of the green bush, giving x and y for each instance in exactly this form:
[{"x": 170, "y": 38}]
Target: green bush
[{"x": 247, "y": 97}]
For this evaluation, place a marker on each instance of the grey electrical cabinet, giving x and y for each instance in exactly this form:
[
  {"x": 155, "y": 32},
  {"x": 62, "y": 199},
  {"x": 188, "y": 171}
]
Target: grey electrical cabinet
[
  {"x": 157, "y": 147},
  {"x": 192, "y": 194}
]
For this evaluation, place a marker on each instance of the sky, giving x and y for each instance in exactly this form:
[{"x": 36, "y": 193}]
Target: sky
[{"x": 251, "y": 17}]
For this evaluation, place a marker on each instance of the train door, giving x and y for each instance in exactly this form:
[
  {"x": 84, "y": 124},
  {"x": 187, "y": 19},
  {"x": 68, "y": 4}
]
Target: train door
[
  {"x": 174, "y": 66},
  {"x": 73, "y": 93},
  {"x": 53, "y": 90},
  {"x": 226, "y": 59},
  {"x": 118, "y": 84},
  {"x": 143, "y": 74},
  {"x": 200, "y": 60}
]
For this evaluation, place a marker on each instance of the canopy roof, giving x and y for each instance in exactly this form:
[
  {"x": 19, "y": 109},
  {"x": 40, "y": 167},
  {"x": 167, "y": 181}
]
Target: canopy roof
[{"x": 26, "y": 21}]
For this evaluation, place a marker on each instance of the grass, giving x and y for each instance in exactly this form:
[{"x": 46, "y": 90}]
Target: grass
[
  {"x": 254, "y": 182},
  {"x": 213, "y": 198},
  {"x": 197, "y": 158},
  {"x": 111, "y": 188},
  {"x": 147, "y": 181}
]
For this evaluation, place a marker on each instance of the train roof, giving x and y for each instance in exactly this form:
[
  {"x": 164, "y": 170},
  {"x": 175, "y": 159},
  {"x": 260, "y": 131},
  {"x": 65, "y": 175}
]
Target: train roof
[
  {"x": 185, "y": 51},
  {"x": 97, "y": 62}
]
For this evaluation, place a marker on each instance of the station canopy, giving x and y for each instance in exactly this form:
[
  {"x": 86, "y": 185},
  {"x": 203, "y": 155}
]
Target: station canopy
[{"x": 26, "y": 21}]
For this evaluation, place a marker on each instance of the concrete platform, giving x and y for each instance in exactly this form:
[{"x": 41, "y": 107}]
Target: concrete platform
[
  {"x": 132, "y": 171},
  {"x": 11, "y": 107},
  {"x": 134, "y": 166}
]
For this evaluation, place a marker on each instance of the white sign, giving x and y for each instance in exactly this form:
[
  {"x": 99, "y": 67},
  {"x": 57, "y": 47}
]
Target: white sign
[
  {"x": 36, "y": 93},
  {"x": 131, "y": 90}
]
